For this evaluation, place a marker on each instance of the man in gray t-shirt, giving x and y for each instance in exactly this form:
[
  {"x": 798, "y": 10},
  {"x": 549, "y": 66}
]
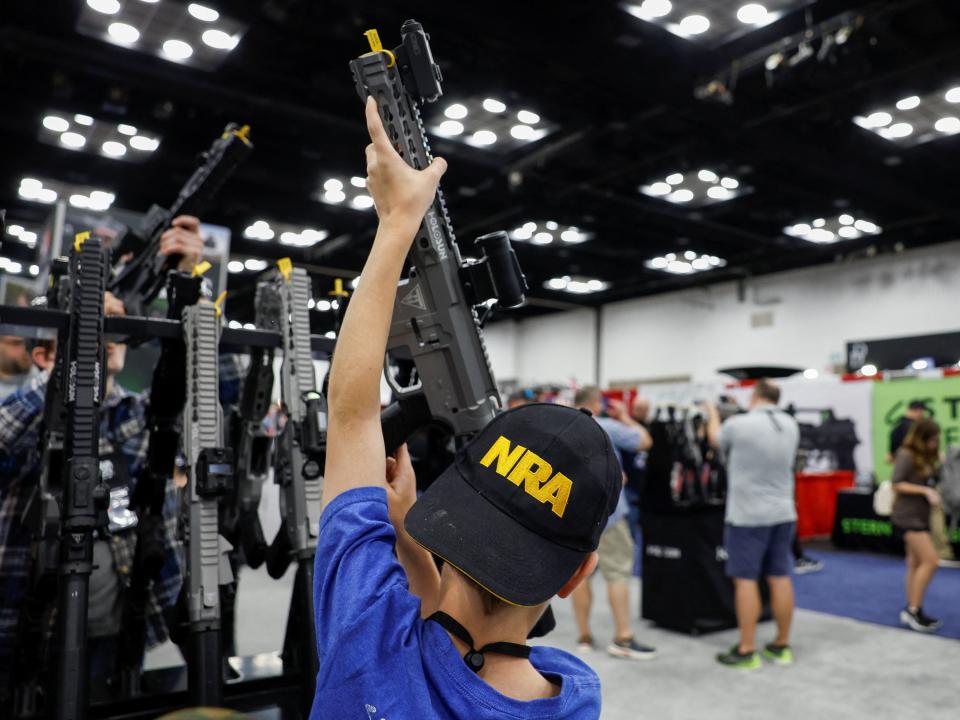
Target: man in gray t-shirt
[{"x": 760, "y": 447}]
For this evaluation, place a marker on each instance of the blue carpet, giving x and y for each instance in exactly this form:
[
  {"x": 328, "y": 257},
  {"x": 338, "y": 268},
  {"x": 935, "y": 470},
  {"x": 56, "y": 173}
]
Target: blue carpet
[{"x": 870, "y": 588}]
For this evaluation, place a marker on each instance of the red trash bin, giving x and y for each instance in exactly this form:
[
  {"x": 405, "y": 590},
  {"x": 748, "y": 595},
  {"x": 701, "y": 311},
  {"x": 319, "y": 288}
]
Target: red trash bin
[{"x": 817, "y": 501}]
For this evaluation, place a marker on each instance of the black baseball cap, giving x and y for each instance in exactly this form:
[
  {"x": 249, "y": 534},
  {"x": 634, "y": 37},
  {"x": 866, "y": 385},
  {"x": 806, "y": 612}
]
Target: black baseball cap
[{"x": 523, "y": 503}]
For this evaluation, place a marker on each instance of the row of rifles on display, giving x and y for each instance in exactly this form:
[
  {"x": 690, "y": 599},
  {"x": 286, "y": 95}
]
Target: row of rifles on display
[{"x": 436, "y": 323}]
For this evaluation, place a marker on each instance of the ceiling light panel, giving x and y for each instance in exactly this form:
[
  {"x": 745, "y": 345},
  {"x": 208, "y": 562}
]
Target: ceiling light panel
[
  {"x": 76, "y": 131},
  {"x": 195, "y": 34},
  {"x": 829, "y": 230},
  {"x": 348, "y": 192},
  {"x": 283, "y": 233},
  {"x": 695, "y": 188},
  {"x": 47, "y": 191},
  {"x": 577, "y": 285},
  {"x": 711, "y": 22},
  {"x": 549, "y": 232},
  {"x": 490, "y": 124},
  {"x": 685, "y": 263},
  {"x": 21, "y": 232},
  {"x": 915, "y": 119}
]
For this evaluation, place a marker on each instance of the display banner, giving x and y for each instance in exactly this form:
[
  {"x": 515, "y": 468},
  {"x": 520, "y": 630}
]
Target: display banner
[
  {"x": 834, "y": 418},
  {"x": 890, "y": 401}
]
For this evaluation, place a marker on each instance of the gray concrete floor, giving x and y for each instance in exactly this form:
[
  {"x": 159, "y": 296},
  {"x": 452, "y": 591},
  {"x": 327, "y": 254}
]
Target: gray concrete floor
[{"x": 845, "y": 669}]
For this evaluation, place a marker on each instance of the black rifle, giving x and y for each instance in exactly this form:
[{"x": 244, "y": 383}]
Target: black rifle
[
  {"x": 71, "y": 499},
  {"x": 167, "y": 396},
  {"x": 252, "y": 447},
  {"x": 435, "y": 320},
  {"x": 139, "y": 281}
]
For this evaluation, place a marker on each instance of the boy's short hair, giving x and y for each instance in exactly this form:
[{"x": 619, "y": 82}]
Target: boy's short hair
[
  {"x": 585, "y": 395},
  {"x": 491, "y": 603},
  {"x": 766, "y": 390}
]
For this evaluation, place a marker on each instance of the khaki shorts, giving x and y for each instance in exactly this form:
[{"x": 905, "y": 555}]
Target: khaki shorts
[{"x": 616, "y": 552}]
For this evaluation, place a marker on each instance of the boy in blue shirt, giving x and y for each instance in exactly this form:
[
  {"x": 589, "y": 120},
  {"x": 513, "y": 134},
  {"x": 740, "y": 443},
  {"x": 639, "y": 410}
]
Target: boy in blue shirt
[{"x": 517, "y": 518}]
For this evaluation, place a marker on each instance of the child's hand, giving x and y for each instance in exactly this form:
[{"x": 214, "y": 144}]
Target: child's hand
[
  {"x": 400, "y": 193},
  {"x": 401, "y": 487}
]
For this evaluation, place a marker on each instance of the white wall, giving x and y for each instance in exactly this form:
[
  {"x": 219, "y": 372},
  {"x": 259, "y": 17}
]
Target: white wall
[
  {"x": 554, "y": 348},
  {"x": 695, "y": 332}
]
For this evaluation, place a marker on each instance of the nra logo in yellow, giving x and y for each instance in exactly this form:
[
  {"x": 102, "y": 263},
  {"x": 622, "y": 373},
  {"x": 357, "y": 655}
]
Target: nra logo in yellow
[{"x": 522, "y": 466}]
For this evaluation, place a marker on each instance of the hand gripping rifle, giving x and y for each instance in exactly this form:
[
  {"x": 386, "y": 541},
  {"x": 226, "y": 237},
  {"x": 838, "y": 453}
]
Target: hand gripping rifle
[
  {"x": 210, "y": 476},
  {"x": 139, "y": 281},
  {"x": 299, "y": 460},
  {"x": 435, "y": 320},
  {"x": 167, "y": 397},
  {"x": 84, "y": 496}
]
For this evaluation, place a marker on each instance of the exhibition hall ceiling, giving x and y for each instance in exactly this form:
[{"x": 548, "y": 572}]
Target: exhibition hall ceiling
[{"x": 629, "y": 148}]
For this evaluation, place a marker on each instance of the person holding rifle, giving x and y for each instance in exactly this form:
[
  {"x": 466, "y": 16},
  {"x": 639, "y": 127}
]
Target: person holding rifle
[
  {"x": 517, "y": 518},
  {"x": 123, "y": 446}
]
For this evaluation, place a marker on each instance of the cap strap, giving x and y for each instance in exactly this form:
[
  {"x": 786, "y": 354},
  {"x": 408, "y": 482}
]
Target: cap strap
[{"x": 473, "y": 657}]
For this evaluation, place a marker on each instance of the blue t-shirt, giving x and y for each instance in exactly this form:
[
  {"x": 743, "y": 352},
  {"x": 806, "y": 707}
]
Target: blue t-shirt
[{"x": 380, "y": 661}]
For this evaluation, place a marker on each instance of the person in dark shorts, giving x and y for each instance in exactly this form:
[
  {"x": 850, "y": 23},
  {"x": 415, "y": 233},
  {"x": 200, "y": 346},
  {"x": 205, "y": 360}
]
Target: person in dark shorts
[
  {"x": 914, "y": 474},
  {"x": 760, "y": 448}
]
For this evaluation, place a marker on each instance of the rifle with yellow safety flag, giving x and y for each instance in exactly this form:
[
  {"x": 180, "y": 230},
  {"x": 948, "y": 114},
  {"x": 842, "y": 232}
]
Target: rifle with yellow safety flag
[
  {"x": 138, "y": 281},
  {"x": 146, "y": 501},
  {"x": 436, "y": 320}
]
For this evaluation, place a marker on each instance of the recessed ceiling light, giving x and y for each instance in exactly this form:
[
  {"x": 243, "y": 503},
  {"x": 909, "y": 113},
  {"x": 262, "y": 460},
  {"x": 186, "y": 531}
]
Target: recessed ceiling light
[
  {"x": 143, "y": 143},
  {"x": 542, "y": 238},
  {"x": 113, "y": 148},
  {"x": 681, "y": 196},
  {"x": 752, "y": 14},
  {"x": 107, "y": 7},
  {"x": 846, "y": 219},
  {"x": 694, "y": 25},
  {"x": 202, "y": 12},
  {"x": 827, "y": 230},
  {"x": 73, "y": 140},
  {"x": 123, "y": 33},
  {"x": 898, "y": 130},
  {"x": 952, "y": 95},
  {"x": 675, "y": 179},
  {"x": 234, "y": 266},
  {"x": 576, "y": 285},
  {"x": 449, "y": 128},
  {"x": 363, "y": 202},
  {"x": 259, "y": 230},
  {"x": 55, "y": 124},
  {"x": 81, "y": 119},
  {"x": 707, "y": 176},
  {"x": 333, "y": 184},
  {"x": 125, "y": 129},
  {"x": 729, "y": 183},
  {"x": 358, "y": 182},
  {"x": 659, "y": 188},
  {"x": 908, "y": 103},
  {"x": 456, "y": 111},
  {"x": 334, "y": 196},
  {"x": 523, "y": 132},
  {"x": 493, "y": 105},
  {"x": 219, "y": 40},
  {"x": 483, "y": 137},
  {"x": 177, "y": 49},
  {"x": 650, "y": 9},
  {"x": 530, "y": 118},
  {"x": 718, "y": 192},
  {"x": 879, "y": 119},
  {"x": 255, "y": 264},
  {"x": 947, "y": 125},
  {"x": 78, "y": 200}
]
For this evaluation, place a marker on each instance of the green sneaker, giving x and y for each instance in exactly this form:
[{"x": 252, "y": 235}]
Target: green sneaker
[
  {"x": 778, "y": 654},
  {"x": 742, "y": 661}
]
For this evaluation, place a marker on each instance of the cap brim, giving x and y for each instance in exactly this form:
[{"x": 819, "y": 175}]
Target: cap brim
[{"x": 455, "y": 522}]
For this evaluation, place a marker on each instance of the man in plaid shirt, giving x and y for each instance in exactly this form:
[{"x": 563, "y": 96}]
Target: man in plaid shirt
[{"x": 123, "y": 450}]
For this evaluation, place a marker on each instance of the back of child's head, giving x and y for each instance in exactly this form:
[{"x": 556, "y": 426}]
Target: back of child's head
[{"x": 523, "y": 504}]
